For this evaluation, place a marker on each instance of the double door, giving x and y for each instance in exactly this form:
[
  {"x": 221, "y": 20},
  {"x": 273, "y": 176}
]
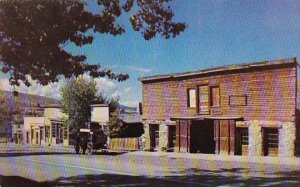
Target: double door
[{"x": 224, "y": 136}]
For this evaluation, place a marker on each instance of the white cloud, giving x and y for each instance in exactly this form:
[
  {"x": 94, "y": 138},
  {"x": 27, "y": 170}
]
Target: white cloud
[
  {"x": 51, "y": 90},
  {"x": 105, "y": 85},
  {"x": 116, "y": 94},
  {"x": 4, "y": 85},
  {"x": 140, "y": 69}
]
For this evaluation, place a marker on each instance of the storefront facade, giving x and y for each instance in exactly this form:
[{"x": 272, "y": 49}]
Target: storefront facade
[
  {"x": 47, "y": 130},
  {"x": 248, "y": 109}
]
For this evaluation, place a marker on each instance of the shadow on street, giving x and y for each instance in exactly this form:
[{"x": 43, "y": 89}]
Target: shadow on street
[
  {"x": 17, "y": 154},
  {"x": 223, "y": 177}
]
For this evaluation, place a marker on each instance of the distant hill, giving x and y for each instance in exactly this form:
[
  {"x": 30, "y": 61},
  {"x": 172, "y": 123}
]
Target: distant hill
[
  {"x": 27, "y": 100},
  {"x": 127, "y": 109},
  {"x": 22, "y": 101}
]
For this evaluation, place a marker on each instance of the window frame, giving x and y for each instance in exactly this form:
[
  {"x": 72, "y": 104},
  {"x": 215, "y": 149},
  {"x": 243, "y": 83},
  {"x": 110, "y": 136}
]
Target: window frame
[
  {"x": 211, "y": 96},
  {"x": 273, "y": 138},
  {"x": 244, "y": 138},
  {"x": 189, "y": 99},
  {"x": 198, "y": 99}
]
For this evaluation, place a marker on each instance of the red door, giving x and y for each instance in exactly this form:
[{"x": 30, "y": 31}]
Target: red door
[
  {"x": 225, "y": 136},
  {"x": 182, "y": 136}
]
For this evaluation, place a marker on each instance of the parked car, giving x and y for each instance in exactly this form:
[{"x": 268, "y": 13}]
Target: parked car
[{"x": 97, "y": 140}]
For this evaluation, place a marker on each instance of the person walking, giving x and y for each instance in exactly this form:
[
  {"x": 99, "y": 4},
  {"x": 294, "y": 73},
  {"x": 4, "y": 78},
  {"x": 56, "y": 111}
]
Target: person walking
[
  {"x": 84, "y": 143},
  {"x": 77, "y": 143}
]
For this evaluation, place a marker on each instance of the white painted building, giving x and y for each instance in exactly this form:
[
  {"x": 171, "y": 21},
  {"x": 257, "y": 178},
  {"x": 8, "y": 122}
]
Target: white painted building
[
  {"x": 100, "y": 114},
  {"x": 47, "y": 130},
  {"x": 51, "y": 130}
]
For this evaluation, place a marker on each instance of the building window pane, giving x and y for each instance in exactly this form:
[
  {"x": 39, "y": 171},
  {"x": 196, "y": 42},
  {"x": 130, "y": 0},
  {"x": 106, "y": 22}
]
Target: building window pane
[
  {"x": 273, "y": 138},
  {"x": 42, "y": 133},
  {"x": 191, "y": 98},
  {"x": 244, "y": 138},
  {"x": 203, "y": 100},
  {"x": 65, "y": 132},
  {"x": 215, "y": 96},
  {"x": 53, "y": 130}
]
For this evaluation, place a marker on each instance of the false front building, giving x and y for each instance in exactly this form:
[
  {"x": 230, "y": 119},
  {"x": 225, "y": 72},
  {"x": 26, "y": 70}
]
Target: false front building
[
  {"x": 245, "y": 109},
  {"x": 49, "y": 128}
]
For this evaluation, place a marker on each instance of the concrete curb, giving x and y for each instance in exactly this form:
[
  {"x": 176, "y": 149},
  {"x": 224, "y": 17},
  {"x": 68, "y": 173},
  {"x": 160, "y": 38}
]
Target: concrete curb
[{"x": 287, "y": 161}]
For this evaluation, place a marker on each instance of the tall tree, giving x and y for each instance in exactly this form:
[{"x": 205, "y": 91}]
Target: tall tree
[
  {"x": 33, "y": 34},
  {"x": 5, "y": 116},
  {"x": 11, "y": 113},
  {"x": 77, "y": 95},
  {"x": 3, "y": 109}
]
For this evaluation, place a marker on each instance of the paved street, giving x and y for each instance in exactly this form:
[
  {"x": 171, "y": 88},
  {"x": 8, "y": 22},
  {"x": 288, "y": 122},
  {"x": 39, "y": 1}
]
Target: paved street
[{"x": 38, "y": 166}]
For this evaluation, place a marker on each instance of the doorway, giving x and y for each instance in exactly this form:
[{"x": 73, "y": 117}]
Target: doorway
[
  {"x": 171, "y": 137},
  {"x": 154, "y": 136},
  {"x": 37, "y": 137},
  {"x": 202, "y": 137}
]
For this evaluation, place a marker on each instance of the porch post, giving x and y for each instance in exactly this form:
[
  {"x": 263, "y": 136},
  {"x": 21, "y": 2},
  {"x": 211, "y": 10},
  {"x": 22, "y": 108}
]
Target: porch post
[
  {"x": 217, "y": 136},
  {"x": 188, "y": 133},
  {"x": 232, "y": 137},
  {"x": 177, "y": 139}
]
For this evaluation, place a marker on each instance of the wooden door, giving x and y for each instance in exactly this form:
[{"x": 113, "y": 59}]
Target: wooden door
[
  {"x": 217, "y": 136},
  {"x": 224, "y": 137},
  {"x": 182, "y": 136},
  {"x": 231, "y": 137},
  {"x": 225, "y": 143}
]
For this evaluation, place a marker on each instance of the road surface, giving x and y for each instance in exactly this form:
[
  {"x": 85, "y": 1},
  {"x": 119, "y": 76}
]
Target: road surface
[{"x": 61, "y": 167}]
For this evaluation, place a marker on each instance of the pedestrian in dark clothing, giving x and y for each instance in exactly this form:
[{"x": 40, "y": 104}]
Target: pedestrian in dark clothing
[
  {"x": 84, "y": 144},
  {"x": 77, "y": 143}
]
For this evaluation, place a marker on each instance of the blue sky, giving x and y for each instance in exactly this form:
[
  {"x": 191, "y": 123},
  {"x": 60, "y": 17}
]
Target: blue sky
[{"x": 218, "y": 33}]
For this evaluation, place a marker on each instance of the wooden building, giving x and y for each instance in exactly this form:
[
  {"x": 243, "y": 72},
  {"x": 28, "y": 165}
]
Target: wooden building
[
  {"x": 50, "y": 128},
  {"x": 244, "y": 109}
]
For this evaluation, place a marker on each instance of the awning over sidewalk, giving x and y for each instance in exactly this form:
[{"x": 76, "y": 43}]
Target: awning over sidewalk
[
  {"x": 223, "y": 117},
  {"x": 207, "y": 117},
  {"x": 186, "y": 118},
  {"x": 57, "y": 120}
]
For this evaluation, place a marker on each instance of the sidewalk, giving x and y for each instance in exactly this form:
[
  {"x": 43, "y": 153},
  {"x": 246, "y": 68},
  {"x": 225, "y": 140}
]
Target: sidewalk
[
  {"x": 288, "y": 161},
  {"x": 11, "y": 147}
]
